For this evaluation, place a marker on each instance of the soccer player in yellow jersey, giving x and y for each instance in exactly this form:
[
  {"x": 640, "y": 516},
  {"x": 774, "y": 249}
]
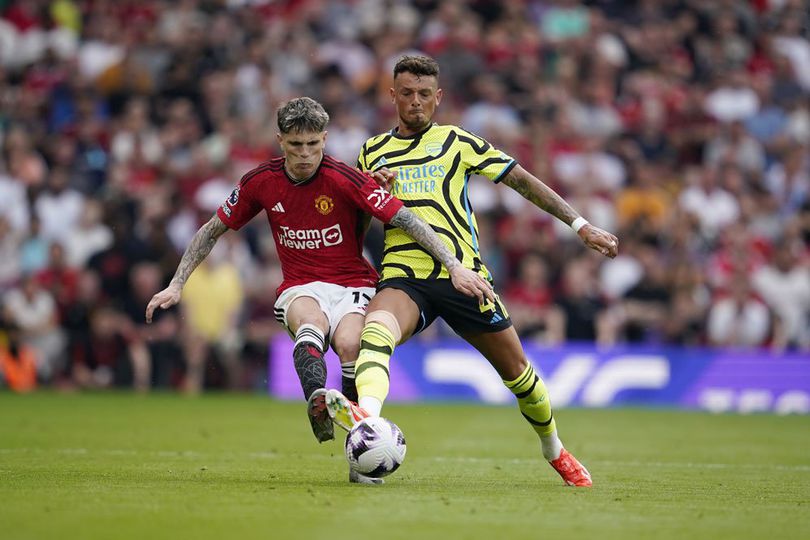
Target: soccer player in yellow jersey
[{"x": 433, "y": 164}]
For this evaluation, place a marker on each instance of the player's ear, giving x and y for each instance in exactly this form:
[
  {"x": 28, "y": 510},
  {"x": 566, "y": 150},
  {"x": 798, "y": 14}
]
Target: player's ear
[
  {"x": 323, "y": 137},
  {"x": 393, "y": 94},
  {"x": 439, "y": 95}
]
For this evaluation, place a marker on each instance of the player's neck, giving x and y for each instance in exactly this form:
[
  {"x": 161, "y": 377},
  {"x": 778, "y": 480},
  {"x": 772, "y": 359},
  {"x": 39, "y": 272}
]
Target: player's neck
[
  {"x": 295, "y": 179},
  {"x": 405, "y": 131}
]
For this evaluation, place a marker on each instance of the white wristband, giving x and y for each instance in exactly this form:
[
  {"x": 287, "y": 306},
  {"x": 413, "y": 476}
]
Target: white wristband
[{"x": 579, "y": 223}]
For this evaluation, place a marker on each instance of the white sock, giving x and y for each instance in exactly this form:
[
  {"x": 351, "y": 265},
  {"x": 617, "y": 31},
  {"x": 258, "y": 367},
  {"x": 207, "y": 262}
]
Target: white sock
[
  {"x": 552, "y": 446},
  {"x": 310, "y": 333},
  {"x": 372, "y": 405}
]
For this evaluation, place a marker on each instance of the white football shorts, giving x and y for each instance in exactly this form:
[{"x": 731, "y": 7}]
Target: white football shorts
[{"x": 335, "y": 301}]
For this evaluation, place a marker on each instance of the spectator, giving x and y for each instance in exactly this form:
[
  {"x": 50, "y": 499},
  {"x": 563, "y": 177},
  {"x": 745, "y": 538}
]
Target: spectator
[
  {"x": 603, "y": 170},
  {"x": 643, "y": 310},
  {"x": 789, "y": 180},
  {"x": 212, "y": 299},
  {"x": 108, "y": 358},
  {"x": 91, "y": 236},
  {"x": 154, "y": 350},
  {"x": 9, "y": 255},
  {"x": 59, "y": 207},
  {"x": 18, "y": 369},
  {"x": 713, "y": 206},
  {"x": 734, "y": 146},
  {"x": 584, "y": 315},
  {"x": 785, "y": 286},
  {"x": 15, "y": 203},
  {"x": 643, "y": 203},
  {"x": 733, "y": 100},
  {"x": 739, "y": 319},
  {"x": 33, "y": 310},
  {"x": 58, "y": 278},
  {"x": 530, "y": 301},
  {"x": 34, "y": 249}
]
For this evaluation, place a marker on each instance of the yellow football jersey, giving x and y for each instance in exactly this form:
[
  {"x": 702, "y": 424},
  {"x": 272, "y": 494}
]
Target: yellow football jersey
[{"x": 433, "y": 170}]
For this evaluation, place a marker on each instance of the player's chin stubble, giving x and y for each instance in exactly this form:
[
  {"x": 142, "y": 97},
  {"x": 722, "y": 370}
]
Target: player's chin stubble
[{"x": 415, "y": 124}]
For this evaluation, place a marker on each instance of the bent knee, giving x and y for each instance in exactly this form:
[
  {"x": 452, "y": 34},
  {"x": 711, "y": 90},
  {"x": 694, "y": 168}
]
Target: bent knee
[{"x": 346, "y": 348}]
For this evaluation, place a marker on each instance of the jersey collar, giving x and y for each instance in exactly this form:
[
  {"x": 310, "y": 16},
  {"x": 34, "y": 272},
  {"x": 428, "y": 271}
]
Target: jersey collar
[
  {"x": 309, "y": 180},
  {"x": 395, "y": 132}
]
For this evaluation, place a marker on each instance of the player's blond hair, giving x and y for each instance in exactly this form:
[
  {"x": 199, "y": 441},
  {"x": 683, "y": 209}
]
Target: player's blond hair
[{"x": 302, "y": 115}]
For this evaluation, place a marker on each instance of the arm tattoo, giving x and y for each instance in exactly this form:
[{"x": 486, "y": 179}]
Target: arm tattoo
[
  {"x": 199, "y": 248},
  {"x": 424, "y": 235},
  {"x": 540, "y": 195}
]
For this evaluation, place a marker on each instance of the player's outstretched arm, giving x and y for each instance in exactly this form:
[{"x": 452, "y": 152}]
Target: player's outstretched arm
[
  {"x": 545, "y": 198},
  {"x": 464, "y": 279},
  {"x": 197, "y": 250}
]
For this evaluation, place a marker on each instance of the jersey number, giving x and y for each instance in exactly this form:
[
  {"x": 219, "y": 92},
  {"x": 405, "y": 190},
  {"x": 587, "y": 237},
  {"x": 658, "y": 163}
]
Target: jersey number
[{"x": 357, "y": 295}]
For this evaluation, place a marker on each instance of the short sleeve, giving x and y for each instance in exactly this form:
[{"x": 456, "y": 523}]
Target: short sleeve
[
  {"x": 240, "y": 206},
  {"x": 370, "y": 197},
  {"x": 482, "y": 158}
]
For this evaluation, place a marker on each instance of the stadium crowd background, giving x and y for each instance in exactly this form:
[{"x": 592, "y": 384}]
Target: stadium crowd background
[{"x": 681, "y": 126}]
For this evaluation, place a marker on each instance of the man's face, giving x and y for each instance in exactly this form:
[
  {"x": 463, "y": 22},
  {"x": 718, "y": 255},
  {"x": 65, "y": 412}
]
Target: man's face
[
  {"x": 303, "y": 152},
  {"x": 416, "y": 99}
]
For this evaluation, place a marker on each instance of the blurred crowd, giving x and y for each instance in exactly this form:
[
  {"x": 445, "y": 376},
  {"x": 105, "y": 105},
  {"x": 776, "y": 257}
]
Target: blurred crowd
[{"x": 681, "y": 125}]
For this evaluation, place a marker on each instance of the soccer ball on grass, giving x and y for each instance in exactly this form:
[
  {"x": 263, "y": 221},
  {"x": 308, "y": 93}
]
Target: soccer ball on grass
[{"x": 375, "y": 447}]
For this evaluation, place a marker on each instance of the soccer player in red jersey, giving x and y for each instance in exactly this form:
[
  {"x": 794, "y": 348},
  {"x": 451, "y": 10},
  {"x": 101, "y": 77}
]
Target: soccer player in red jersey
[{"x": 316, "y": 206}]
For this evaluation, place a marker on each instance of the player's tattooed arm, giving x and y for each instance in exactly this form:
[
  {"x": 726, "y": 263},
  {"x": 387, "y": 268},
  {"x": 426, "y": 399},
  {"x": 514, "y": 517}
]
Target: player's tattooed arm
[
  {"x": 464, "y": 279},
  {"x": 424, "y": 236},
  {"x": 539, "y": 194},
  {"x": 542, "y": 196},
  {"x": 197, "y": 250}
]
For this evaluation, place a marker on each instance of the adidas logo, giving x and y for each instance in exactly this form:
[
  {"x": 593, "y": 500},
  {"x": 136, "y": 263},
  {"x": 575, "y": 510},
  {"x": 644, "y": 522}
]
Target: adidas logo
[
  {"x": 382, "y": 161},
  {"x": 278, "y": 208},
  {"x": 495, "y": 319}
]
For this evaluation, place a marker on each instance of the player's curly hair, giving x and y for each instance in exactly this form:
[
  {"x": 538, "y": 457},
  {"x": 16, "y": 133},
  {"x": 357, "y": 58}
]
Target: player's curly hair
[
  {"x": 421, "y": 66},
  {"x": 302, "y": 115}
]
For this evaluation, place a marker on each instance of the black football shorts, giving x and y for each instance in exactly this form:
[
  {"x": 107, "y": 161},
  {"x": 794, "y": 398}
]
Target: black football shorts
[{"x": 438, "y": 298}]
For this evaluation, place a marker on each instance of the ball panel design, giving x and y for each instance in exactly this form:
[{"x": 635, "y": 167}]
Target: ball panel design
[{"x": 375, "y": 447}]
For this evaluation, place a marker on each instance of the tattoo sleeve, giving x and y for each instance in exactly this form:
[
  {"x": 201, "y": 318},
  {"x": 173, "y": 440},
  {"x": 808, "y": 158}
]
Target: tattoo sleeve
[
  {"x": 425, "y": 236},
  {"x": 199, "y": 248},
  {"x": 540, "y": 195}
]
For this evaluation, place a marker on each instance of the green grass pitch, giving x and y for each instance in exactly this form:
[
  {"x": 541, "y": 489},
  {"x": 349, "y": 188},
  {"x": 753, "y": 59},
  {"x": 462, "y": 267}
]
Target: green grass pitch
[{"x": 230, "y": 466}]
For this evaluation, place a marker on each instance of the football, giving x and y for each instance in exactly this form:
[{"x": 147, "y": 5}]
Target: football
[{"x": 375, "y": 447}]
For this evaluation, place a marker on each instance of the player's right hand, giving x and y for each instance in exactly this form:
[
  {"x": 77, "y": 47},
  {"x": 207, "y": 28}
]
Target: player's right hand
[
  {"x": 385, "y": 177},
  {"x": 470, "y": 283},
  {"x": 164, "y": 300}
]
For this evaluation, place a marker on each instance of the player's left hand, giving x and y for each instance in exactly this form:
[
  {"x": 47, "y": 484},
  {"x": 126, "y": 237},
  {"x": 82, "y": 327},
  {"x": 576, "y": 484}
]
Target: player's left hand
[
  {"x": 385, "y": 178},
  {"x": 470, "y": 283},
  {"x": 599, "y": 240}
]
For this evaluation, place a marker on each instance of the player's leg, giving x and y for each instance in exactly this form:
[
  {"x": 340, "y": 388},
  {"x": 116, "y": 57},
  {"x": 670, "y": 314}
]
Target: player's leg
[
  {"x": 309, "y": 326},
  {"x": 392, "y": 318},
  {"x": 346, "y": 318},
  {"x": 346, "y": 344},
  {"x": 504, "y": 351}
]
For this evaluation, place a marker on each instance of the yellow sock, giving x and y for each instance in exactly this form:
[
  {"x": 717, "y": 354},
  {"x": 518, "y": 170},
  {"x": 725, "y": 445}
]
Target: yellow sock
[
  {"x": 371, "y": 371},
  {"x": 533, "y": 401}
]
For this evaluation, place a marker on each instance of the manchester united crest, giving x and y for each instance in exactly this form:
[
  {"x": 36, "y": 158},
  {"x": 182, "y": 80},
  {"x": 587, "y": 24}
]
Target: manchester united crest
[{"x": 324, "y": 204}]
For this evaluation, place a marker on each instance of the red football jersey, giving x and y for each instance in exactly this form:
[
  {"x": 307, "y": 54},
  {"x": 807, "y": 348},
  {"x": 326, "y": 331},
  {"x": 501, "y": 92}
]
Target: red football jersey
[{"x": 316, "y": 224}]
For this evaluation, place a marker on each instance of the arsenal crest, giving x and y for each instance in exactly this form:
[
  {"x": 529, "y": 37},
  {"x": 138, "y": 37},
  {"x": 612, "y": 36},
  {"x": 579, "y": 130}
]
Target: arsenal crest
[{"x": 324, "y": 204}]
